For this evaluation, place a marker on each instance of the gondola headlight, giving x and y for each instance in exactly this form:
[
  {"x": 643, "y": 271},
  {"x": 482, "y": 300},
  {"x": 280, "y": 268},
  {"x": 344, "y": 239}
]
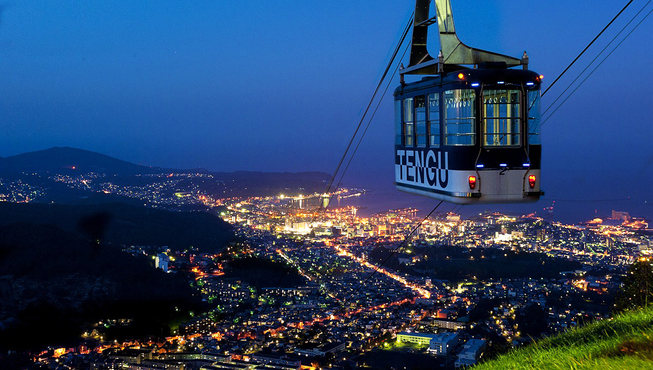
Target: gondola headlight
[
  {"x": 531, "y": 181},
  {"x": 472, "y": 182},
  {"x": 461, "y": 76}
]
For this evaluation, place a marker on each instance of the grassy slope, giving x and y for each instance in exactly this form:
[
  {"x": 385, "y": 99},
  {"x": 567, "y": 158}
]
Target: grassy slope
[{"x": 625, "y": 342}]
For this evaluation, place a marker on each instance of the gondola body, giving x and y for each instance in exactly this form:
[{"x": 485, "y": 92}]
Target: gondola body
[{"x": 470, "y": 136}]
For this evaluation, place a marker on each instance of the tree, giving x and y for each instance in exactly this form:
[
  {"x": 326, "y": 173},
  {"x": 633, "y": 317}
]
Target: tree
[
  {"x": 532, "y": 320},
  {"x": 637, "y": 289}
]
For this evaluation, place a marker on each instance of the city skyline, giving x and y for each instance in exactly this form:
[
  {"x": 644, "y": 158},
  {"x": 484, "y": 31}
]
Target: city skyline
[{"x": 578, "y": 261}]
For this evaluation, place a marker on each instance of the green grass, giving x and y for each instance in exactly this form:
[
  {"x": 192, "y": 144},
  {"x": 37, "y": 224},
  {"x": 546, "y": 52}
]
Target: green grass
[
  {"x": 624, "y": 342},
  {"x": 402, "y": 346}
]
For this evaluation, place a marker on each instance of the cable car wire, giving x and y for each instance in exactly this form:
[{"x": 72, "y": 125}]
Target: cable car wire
[
  {"x": 587, "y": 47},
  {"x": 329, "y": 189},
  {"x": 376, "y": 90},
  {"x": 362, "y": 136},
  {"x": 544, "y": 120},
  {"x": 398, "y": 247},
  {"x": 395, "y": 250},
  {"x": 323, "y": 207},
  {"x": 596, "y": 57}
]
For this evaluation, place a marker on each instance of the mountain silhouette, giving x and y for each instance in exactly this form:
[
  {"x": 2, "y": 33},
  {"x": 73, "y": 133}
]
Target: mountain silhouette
[
  {"x": 63, "y": 159},
  {"x": 37, "y": 167}
]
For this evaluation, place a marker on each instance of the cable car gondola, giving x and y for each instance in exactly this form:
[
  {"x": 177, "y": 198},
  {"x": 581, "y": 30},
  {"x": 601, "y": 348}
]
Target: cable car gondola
[{"x": 467, "y": 132}]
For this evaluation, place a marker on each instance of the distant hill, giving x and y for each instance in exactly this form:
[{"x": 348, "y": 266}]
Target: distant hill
[
  {"x": 123, "y": 224},
  {"x": 623, "y": 342},
  {"x": 72, "y": 162},
  {"x": 59, "y": 159}
]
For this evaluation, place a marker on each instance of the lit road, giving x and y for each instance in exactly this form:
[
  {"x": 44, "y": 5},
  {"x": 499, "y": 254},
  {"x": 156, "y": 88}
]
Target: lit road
[{"x": 414, "y": 287}]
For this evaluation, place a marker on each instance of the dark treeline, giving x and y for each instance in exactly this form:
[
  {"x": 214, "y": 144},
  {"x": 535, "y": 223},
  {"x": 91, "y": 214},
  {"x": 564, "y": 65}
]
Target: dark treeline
[
  {"x": 457, "y": 264},
  {"x": 263, "y": 273},
  {"x": 53, "y": 282},
  {"x": 128, "y": 224}
]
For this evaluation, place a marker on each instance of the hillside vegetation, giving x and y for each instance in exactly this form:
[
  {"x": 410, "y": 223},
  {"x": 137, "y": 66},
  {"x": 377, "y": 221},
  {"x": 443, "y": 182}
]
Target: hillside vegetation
[
  {"x": 624, "y": 342},
  {"x": 55, "y": 283}
]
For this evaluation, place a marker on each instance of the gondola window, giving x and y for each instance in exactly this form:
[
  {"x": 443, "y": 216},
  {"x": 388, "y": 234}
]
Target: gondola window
[
  {"x": 460, "y": 117},
  {"x": 534, "y": 117},
  {"x": 502, "y": 118},
  {"x": 434, "y": 120},
  {"x": 420, "y": 120},
  {"x": 409, "y": 124}
]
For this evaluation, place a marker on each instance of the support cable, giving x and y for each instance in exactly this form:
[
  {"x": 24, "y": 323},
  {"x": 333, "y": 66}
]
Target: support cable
[
  {"x": 587, "y": 47},
  {"x": 360, "y": 140},
  {"x": 595, "y": 68},
  {"x": 398, "y": 247},
  {"x": 376, "y": 90},
  {"x": 596, "y": 57}
]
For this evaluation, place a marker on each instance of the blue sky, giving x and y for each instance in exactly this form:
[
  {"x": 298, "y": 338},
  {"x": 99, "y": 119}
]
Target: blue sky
[{"x": 279, "y": 85}]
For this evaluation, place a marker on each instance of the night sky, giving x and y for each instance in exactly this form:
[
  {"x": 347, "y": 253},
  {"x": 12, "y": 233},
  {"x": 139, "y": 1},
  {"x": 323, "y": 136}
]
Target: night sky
[{"x": 279, "y": 85}]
